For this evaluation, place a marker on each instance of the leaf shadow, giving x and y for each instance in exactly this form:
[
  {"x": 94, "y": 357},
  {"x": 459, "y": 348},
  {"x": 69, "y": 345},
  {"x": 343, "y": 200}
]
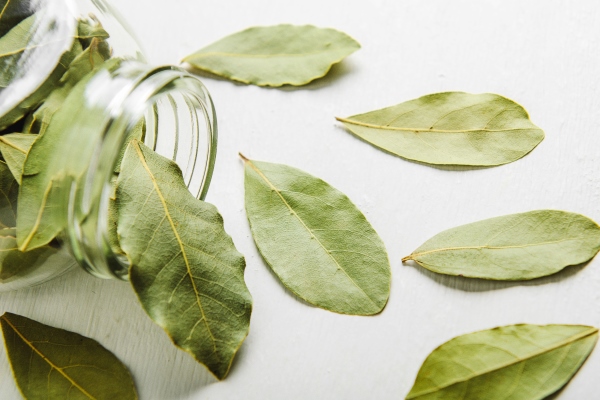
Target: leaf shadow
[
  {"x": 485, "y": 285},
  {"x": 337, "y": 72},
  {"x": 436, "y": 166}
]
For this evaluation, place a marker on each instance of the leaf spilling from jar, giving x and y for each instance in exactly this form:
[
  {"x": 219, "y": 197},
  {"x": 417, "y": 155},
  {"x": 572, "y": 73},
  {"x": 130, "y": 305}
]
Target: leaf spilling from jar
[
  {"x": 52, "y": 363},
  {"x": 512, "y": 247},
  {"x": 275, "y": 55},
  {"x": 14, "y": 148},
  {"x": 23, "y": 41},
  {"x": 15, "y": 264},
  {"x": 521, "y": 362},
  {"x": 185, "y": 269},
  {"x": 317, "y": 242},
  {"x": 452, "y": 128}
]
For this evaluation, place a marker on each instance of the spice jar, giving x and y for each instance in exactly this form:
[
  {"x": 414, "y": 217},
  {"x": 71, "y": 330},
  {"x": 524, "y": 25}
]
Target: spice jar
[{"x": 80, "y": 72}]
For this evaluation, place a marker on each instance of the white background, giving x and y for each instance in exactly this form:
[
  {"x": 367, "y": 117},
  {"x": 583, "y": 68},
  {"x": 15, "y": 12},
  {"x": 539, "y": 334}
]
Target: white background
[{"x": 543, "y": 54}]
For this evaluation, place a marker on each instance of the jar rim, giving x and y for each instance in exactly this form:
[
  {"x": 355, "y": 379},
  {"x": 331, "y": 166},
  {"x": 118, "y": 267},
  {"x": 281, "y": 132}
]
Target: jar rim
[{"x": 135, "y": 91}]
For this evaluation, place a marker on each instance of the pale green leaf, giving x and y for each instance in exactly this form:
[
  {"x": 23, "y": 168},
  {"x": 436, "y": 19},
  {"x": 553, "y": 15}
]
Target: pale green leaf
[
  {"x": 317, "y": 242},
  {"x": 47, "y": 173},
  {"x": 21, "y": 39},
  {"x": 14, "y": 148},
  {"x": 89, "y": 60},
  {"x": 452, "y": 128},
  {"x": 15, "y": 264},
  {"x": 517, "y": 362},
  {"x": 512, "y": 247},
  {"x": 52, "y": 363},
  {"x": 185, "y": 269},
  {"x": 9, "y": 191},
  {"x": 275, "y": 55},
  {"x": 88, "y": 30}
]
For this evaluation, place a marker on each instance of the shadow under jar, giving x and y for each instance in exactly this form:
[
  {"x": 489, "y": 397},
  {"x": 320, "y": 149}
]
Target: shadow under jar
[{"x": 72, "y": 74}]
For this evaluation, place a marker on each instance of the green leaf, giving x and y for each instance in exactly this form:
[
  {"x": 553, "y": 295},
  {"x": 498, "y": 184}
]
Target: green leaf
[
  {"x": 9, "y": 190},
  {"x": 47, "y": 174},
  {"x": 512, "y": 247},
  {"x": 89, "y": 60},
  {"x": 275, "y": 55},
  {"x": 14, "y": 263},
  {"x": 317, "y": 242},
  {"x": 185, "y": 269},
  {"x": 14, "y": 148},
  {"x": 91, "y": 29},
  {"x": 452, "y": 128},
  {"x": 520, "y": 362},
  {"x": 52, "y": 363},
  {"x": 12, "y": 12},
  {"x": 13, "y": 46}
]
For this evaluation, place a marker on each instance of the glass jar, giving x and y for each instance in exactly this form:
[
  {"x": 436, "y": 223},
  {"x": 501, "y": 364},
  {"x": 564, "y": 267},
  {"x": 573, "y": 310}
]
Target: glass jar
[{"x": 118, "y": 94}]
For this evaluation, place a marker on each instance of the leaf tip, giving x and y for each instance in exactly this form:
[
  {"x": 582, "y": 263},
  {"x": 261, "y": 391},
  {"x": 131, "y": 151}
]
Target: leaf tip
[{"x": 243, "y": 157}]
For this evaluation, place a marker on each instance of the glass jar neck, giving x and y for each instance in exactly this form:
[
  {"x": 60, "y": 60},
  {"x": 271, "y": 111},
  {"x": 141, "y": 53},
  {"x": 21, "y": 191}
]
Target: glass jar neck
[{"x": 180, "y": 124}]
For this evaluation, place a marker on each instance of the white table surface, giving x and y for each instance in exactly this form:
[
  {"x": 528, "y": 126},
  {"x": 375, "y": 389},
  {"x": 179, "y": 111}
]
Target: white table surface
[{"x": 543, "y": 54}]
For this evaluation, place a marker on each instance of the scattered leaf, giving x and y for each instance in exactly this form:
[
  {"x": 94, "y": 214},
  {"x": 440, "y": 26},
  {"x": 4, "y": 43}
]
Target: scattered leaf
[
  {"x": 512, "y": 247},
  {"x": 52, "y": 363},
  {"x": 184, "y": 267},
  {"x": 520, "y": 362},
  {"x": 275, "y": 55},
  {"x": 317, "y": 242},
  {"x": 452, "y": 128},
  {"x": 14, "y": 148}
]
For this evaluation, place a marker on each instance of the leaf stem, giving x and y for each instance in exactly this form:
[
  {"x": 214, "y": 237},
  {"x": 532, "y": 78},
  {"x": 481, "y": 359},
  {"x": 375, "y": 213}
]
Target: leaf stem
[{"x": 243, "y": 157}]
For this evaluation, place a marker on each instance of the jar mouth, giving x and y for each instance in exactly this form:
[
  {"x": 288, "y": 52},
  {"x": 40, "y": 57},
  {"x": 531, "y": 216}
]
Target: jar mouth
[{"x": 180, "y": 124}]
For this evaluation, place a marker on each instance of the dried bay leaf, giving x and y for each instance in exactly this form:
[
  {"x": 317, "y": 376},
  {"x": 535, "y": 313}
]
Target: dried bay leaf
[
  {"x": 451, "y": 128},
  {"x": 87, "y": 61},
  {"x": 12, "y": 12},
  {"x": 185, "y": 269},
  {"x": 512, "y": 247},
  {"x": 19, "y": 40},
  {"x": 14, "y": 148},
  {"x": 47, "y": 174},
  {"x": 275, "y": 55},
  {"x": 14, "y": 263},
  {"x": 520, "y": 362},
  {"x": 9, "y": 191},
  {"x": 317, "y": 242},
  {"x": 52, "y": 363}
]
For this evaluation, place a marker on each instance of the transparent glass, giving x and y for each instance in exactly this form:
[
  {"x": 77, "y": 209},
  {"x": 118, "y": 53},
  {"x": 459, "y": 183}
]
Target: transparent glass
[{"x": 178, "y": 115}]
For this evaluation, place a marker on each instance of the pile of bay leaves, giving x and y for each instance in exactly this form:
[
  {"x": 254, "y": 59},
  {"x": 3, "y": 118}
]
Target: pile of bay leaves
[{"x": 190, "y": 278}]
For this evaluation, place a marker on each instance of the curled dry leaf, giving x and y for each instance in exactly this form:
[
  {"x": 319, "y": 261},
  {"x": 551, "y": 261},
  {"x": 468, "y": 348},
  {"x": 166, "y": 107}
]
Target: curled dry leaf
[
  {"x": 512, "y": 247},
  {"x": 452, "y": 128},
  {"x": 520, "y": 362}
]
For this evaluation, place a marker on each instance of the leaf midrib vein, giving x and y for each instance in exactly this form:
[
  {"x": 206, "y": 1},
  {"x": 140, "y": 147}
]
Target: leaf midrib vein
[
  {"x": 177, "y": 237},
  {"x": 247, "y": 55},
  {"x": 517, "y": 360},
  {"x": 412, "y": 256},
  {"x": 39, "y": 353},
  {"x": 259, "y": 172},
  {"x": 427, "y": 130}
]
